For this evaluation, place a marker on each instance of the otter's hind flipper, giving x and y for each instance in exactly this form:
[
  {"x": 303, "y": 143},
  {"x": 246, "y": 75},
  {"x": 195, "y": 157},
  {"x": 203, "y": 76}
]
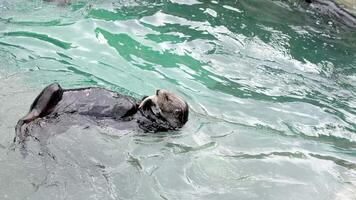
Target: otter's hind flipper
[
  {"x": 45, "y": 102},
  {"x": 42, "y": 106}
]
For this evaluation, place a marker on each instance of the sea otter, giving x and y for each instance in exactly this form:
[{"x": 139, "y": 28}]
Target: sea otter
[{"x": 57, "y": 109}]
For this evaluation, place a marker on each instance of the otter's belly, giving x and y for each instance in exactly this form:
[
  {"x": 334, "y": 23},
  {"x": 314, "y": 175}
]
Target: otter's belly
[{"x": 96, "y": 102}]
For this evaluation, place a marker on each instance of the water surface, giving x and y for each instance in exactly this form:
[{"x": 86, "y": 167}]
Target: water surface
[{"x": 271, "y": 87}]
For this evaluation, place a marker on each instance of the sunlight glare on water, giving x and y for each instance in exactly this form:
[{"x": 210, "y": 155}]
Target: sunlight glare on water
[{"x": 271, "y": 87}]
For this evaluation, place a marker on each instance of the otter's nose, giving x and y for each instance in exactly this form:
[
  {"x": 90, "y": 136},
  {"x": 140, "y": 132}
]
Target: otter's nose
[{"x": 157, "y": 91}]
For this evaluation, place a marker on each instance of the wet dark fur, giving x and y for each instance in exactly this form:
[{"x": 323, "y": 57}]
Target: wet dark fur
[{"x": 55, "y": 107}]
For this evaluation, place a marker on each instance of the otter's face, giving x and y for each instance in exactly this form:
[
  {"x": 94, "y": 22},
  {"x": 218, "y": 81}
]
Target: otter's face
[{"x": 170, "y": 106}]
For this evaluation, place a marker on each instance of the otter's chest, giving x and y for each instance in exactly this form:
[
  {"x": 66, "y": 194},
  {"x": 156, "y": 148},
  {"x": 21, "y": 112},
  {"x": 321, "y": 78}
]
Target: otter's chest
[{"x": 96, "y": 102}]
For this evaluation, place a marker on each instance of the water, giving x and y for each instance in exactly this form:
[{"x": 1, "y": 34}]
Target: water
[{"x": 270, "y": 85}]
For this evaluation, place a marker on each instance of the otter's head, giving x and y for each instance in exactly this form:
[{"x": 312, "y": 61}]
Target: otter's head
[{"x": 169, "y": 106}]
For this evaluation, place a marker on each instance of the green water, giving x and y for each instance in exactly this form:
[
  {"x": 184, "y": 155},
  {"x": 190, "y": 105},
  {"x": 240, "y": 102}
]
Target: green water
[{"x": 271, "y": 87}]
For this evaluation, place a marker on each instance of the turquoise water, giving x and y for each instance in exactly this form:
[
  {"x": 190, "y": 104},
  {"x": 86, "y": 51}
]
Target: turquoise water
[{"x": 271, "y": 87}]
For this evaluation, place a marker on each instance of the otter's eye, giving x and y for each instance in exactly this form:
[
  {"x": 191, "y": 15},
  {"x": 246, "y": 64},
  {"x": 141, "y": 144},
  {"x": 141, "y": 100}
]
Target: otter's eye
[{"x": 166, "y": 97}]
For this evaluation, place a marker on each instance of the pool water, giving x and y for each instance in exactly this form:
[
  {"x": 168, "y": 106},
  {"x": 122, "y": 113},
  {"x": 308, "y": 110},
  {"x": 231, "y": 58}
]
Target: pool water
[{"x": 271, "y": 87}]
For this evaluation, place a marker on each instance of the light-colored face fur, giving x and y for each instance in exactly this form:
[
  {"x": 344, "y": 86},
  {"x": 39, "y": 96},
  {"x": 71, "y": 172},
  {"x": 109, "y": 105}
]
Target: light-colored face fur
[{"x": 172, "y": 107}]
